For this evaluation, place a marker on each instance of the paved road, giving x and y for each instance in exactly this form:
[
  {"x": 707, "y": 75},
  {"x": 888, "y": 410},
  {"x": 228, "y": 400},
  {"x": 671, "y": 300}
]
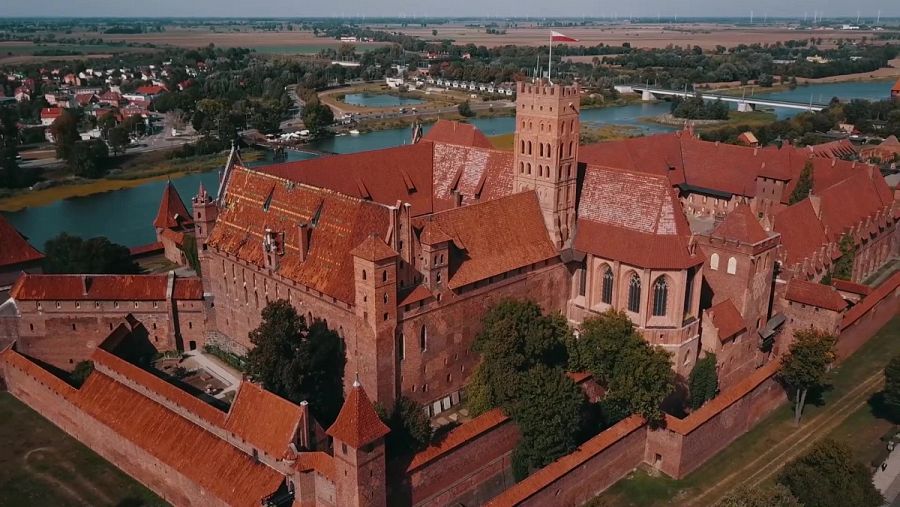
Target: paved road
[{"x": 888, "y": 480}]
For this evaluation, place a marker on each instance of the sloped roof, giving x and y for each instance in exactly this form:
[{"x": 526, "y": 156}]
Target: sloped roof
[
  {"x": 31, "y": 287},
  {"x": 727, "y": 319},
  {"x": 497, "y": 236},
  {"x": 802, "y": 234},
  {"x": 264, "y": 419},
  {"x": 475, "y": 173},
  {"x": 896, "y": 87},
  {"x": 454, "y": 132},
  {"x": 373, "y": 249},
  {"x": 256, "y": 200},
  {"x": 188, "y": 288},
  {"x": 14, "y": 248},
  {"x": 833, "y": 149},
  {"x": 814, "y": 294},
  {"x": 741, "y": 225},
  {"x": 357, "y": 424},
  {"x": 634, "y": 218},
  {"x": 852, "y": 200},
  {"x": 172, "y": 211}
]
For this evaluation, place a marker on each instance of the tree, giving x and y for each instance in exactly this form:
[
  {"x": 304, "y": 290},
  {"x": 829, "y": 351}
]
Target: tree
[
  {"x": 547, "y": 411},
  {"x": 465, "y": 110},
  {"x": 828, "y": 475},
  {"x": 410, "y": 428},
  {"x": 773, "y": 496},
  {"x": 189, "y": 247},
  {"x": 704, "y": 381},
  {"x": 88, "y": 158},
  {"x": 81, "y": 372},
  {"x": 299, "y": 361},
  {"x": 434, "y": 33},
  {"x": 892, "y": 387},
  {"x": 600, "y": 344},
  {"x": 71, "y": 254},
  {"x": 804, "y": 184},
  {"x": 843, "y": 266},
  {"x": 65, "y": 134},
  {"x": 317, "y": 116},
  {"x": 805, "y": 366},
  {"x": 11, "y": 175},
  {"x": 118, "y": 140}
]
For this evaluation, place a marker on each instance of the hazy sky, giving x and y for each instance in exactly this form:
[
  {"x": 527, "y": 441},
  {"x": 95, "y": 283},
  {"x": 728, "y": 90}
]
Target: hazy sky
[{"x": 300, "y": 8}]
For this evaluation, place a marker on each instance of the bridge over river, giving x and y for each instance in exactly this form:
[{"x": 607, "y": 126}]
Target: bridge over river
[{"x": 649, "y": 93}]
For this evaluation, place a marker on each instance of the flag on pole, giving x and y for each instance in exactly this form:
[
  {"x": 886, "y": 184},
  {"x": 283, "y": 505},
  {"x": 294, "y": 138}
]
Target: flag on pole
[{"x": 558, "y": 37}]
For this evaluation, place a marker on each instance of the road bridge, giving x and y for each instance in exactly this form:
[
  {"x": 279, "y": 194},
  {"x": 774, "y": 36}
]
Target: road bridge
[{"x": 649, "y": 93}]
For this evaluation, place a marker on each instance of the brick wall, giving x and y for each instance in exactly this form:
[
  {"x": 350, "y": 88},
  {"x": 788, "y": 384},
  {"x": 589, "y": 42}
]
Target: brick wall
[{"x": 868, "y": 316}]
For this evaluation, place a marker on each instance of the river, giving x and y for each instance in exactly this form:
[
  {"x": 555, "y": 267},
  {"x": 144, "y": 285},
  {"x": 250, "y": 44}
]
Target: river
[{"x": 125, "y": 216}]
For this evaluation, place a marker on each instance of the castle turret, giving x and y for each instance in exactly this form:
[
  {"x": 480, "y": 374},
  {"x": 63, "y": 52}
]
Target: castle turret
[
  {"x": 205, "y": 212},
  {"x": 359, "y": 462},
  {"x": 546, "y": 152}
]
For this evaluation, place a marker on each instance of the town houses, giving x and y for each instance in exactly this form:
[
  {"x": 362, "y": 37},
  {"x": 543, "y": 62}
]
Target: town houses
[{"x": 706, "y": 247}]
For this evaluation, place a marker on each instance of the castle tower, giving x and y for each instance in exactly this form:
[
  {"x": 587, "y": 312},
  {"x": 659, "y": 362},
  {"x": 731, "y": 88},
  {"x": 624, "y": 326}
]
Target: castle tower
[
  {"x": 372, "y": 354},
  {"x": 359, "y": 462},
  {"x": 205, "y": 212},
  {"x": 546, "y": 152}
]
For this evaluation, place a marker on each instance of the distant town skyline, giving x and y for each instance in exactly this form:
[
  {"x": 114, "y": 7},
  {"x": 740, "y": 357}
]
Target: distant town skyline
[{"x": 866, "y": 9}]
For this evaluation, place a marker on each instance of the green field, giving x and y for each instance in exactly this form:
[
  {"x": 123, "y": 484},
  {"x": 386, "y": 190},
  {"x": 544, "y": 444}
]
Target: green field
[
  {"x": 42, "y": 465},
  {"x": 30, "y": 49}
]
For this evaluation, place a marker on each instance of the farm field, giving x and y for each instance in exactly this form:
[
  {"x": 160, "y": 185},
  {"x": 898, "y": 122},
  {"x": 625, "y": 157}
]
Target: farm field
[
  {"x": 707, "y": 36},
  {"x": 41, "y": 465}
]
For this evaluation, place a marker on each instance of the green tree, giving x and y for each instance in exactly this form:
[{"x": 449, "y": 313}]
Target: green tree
[
  {"x": 81, "y": 372},
  {"x": 828, "y": 475},
  {"x": 118, "y": 140},
  {"x": 804, "y": 184},
  {"x": 892, "y": 387},
  {"x": 299, "y": 361},
  {"x": 843, "y": 266},
  {"x": 317, "y": 116},
  {"x": 410, "y": 428},
  {"x": 71, "y": 254},
  {"x": 772, "y": 496},
  {"x": 465, "y": 110},
  {"x": 11, "y": 175},
  {"x": 547, "y": 411},
  {"x": 189, "y": 247},
  {"x": 65, "y": 134},
  {"x": 704, "y": 381},
  {"x": 88, "y": 158},
  {"x": 806, "y": 364},
  {"x": 434, "y": 33},
  {"x": 601, "y": 343}
]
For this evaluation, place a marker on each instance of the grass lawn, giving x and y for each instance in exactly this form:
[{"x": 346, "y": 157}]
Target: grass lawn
[
  {"x": 42, "y": 465},
  {"x": 862, "y": 431}
]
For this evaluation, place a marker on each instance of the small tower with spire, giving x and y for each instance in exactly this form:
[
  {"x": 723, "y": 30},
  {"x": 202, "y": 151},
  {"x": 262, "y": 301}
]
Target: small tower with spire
[
  {"x": 359, "y": 462},
  {"x": 205, "y": 213}
]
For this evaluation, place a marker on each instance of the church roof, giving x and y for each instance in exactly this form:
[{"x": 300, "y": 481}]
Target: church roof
[
  {"x": 454, "y": 132},
  {"x": 14, "y": 248},
  {"x": 357, "y": 424},
  {"x": 741, "y": 225},
  {"x": 172, "y": 211},
  {"x": 814, "y": 294},
  {"x": 373, "y": 249},
  {"x": 727, "y": 319}
]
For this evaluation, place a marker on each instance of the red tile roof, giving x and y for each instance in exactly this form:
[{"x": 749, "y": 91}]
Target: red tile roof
[
  {"x": 147, "y": 249},
  {"x": 896, "y": 87},
  {"x": 849, "y": 202},
  {"x": 539, "y": 480},
  {"x": 851, "y": 287},
  {"x": 172, "y": 211},
  {"x": 634, "y": 218},
  {"x": 419, "y": 293},
  {"x": 476, "y": 174},
  {"x": 150, "y": 89},
  {"x": 496, "y": 236},
  {"x": 802, "y": 234},
  {"x": 36, "y": 287},
  {"x": 885, "y": 289},
  {"x": 264, "y": 419},
  {"x": 459, "y": 436},
  {"x": 373, "y": 249},
  {"x": 834, "y": 149},
  {"x": 814, "y": 294},
  {"x": 742, "y": 226},
  {"x": 14, "y": 248},
  {"x": 454, "y": 132},
  {"x": 341, "y": 223},
  {"x": 51, "y": 112},
  {"x": 318, "y": 461},
  {"x": 357, "y": 424},
  {"x": 727, "y": 319}
]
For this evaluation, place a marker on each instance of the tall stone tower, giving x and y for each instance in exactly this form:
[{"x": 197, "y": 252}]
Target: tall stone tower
[{"x": 546, "y": 151}]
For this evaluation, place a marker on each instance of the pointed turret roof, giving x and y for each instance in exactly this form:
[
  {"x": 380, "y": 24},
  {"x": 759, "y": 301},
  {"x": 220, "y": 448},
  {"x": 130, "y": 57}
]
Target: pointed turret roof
[
  {"x": 14, "y": 248},
  {"x": 373, "y": 249},
  {"x": 741, "y": 225},
  {"x": 357, "y": 424},
  {"x": 172, "y": 211}
]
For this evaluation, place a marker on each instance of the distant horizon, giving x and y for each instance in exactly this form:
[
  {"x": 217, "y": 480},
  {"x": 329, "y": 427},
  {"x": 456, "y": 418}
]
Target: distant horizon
[{"x": 461, "y": 9}]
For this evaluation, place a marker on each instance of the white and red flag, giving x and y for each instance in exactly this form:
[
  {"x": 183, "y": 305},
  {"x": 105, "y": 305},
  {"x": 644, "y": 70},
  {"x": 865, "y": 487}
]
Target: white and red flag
[{"x": 559, "y": 37}]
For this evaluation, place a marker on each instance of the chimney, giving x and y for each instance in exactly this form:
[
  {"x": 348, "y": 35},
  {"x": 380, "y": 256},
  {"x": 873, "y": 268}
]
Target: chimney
[
  {"x": 85, "y": 285},
  {"x": 305, "y": 232},
  {"x": 457, "y": 198}
]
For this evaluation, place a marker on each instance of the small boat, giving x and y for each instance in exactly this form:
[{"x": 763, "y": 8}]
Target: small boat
[{"x": 354, "y": 132}]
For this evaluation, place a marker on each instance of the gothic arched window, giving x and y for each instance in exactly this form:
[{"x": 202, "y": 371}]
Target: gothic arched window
[
  {"x": 529, "y": 147},
  {"x": 714, "y": 262},
  {"x": 634, "y": 294},
  {"x": 660, "y": 296},
  {"x": 606, "y": 290},
  {"x": 732, "y": 266}
]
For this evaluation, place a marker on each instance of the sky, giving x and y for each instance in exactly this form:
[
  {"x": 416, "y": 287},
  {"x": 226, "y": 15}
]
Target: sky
[{"x": 494, "y": 8}]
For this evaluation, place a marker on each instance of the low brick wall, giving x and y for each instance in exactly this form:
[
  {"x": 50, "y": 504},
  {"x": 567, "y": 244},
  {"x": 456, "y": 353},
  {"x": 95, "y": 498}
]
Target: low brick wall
[
  {"x": 871, "y": 314},
  {"x": 469, "y": 466}
]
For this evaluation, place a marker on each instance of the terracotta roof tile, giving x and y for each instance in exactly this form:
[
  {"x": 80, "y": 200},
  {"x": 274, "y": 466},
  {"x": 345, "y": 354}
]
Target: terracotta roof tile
[
  {"x": 515, "y": 237},
  {"x": 188, "y": 289},
  {"x": 172, "y": 211},
  {"x": 264, "y": 419},
  {"x": 814, "y": 294},
  {"x": 321, "y": 462},
  {"x": 373, "y": 249},
  {"x": 91, "y": 287},
  {"x": 477, "y": 174},
  {"x": 357, "y": 424},
  {"x": 742, "y": 226},
  {"x": 851, "y": 287},
  {"x": 801, "y": 231},
  {"x": 459, "y": 436},
  {"x": 419, "y": 293},
  {"x": 454, "y": 132},
  {"x": 886, "y": 288},
  {"x": 727, "y": 319},
  {"x": 14, "y": 248}
]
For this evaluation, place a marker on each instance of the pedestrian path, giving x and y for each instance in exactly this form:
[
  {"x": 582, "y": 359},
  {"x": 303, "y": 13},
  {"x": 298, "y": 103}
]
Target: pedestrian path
[{"x": 888, "y": 480}]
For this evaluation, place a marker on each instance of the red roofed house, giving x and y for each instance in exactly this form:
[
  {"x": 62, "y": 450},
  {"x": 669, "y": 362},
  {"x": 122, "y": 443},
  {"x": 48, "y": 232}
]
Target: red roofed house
[
  {"x": 111, "y": 98},
  {"x": 50, "y": 114},
  {"x": 150, "y": 90},
  {"x": 885, "y": 152},
  {"x": 895, "y": 90},
  {"x": 16, "y": 256},
  {"x": 172, "y": 223},
  {"x": 811, "y": 305}
]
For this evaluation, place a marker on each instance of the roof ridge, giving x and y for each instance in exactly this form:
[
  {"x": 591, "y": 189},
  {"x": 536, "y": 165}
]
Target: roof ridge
[{"x": 314, "y": 188}]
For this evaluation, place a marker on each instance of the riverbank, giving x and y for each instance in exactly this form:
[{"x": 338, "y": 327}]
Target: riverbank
[
  {"x": 748, "y": 119},
  {"x": 81, "y": 187},
  {"x": 886, "y": 74}
]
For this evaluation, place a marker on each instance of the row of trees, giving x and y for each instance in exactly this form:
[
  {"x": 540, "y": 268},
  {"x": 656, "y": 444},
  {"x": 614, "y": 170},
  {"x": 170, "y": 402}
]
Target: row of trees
[{"x": 695, "y": 108}]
